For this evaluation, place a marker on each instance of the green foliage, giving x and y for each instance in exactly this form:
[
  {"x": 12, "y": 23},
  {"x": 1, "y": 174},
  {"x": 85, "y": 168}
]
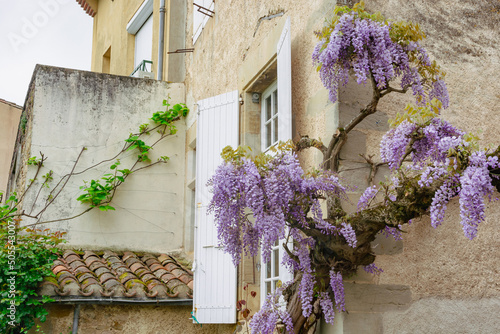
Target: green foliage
[
  {"x": 418, "y": 114},
  {"x": 23, "y": 122},
  {"x": 100, "y": 192},
  {"x": 136, "y": 143},
  {"x": 26, "y": 256},
  {"x": 235, "y": 156},
  {"x": 34, "y": 161},
  {"x": 48, "y": 178}
]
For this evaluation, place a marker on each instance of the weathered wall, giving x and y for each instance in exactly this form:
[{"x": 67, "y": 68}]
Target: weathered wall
[
  {"x": 10, "y": 115},
  {"x": 431, "y": 269},
  {"x": 140, "y": 319},
  {"x": 110, "y": 31},
  {"x": 75, "y": 109}
]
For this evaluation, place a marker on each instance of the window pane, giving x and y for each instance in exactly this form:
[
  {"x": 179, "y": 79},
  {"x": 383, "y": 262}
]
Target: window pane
[
  {"x": 276, "y": 262},
  {"x": 268, "y": 269},
  {"x": 275, "y": 134},
  {"x": 268, "y": 108},
  {"x": 269, "y": 132},
  {"x": 275, "y": 97},
  {"x": 268, "y": 287},
  {"x": 275, "y": 285}
]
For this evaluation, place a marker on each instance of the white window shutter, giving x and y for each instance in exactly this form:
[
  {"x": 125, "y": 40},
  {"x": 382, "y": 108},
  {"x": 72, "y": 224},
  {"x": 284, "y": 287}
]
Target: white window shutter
[
  {"x": 214, "y": 271},
  {"x": 284, "y": 55},
  {"x": 199, "y": 19}
]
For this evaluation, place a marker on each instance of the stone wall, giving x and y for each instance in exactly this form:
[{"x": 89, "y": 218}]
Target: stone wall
[
  {"x": 114, "y": 319},
  {"x": 435, "y": 281}
]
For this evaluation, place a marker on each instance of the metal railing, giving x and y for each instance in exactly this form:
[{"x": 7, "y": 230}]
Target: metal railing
[{"x": 142, "y": 67}]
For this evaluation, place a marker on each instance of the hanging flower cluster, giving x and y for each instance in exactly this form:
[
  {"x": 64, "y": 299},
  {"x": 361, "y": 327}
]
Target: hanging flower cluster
[
  {"x": 270, "y": 314},
  {"x": 252, "y": 205},
  {"x": 258, "y": 205},
  {"x": 372, "y": 49},
  {"x": 443, "y": 153}
]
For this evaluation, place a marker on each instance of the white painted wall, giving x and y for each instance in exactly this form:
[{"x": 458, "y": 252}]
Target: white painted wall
[{"x": 73, "y": 109}]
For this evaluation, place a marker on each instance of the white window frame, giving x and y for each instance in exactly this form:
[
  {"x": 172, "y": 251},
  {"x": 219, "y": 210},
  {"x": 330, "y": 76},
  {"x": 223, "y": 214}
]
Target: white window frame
[
  {"x": 140, "y": 16},
  {"x": 273, "y": 277},
  {"x": 136, "y": 23},
  {"x": 269, "y": 93}
]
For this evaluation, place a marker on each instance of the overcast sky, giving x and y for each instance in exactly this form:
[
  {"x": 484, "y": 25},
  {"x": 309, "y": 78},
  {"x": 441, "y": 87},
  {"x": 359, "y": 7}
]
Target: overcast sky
[{"x": 49, "y": 32}]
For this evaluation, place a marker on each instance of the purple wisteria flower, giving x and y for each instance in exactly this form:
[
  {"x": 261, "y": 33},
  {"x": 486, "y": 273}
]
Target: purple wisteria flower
[
  {"x": 337, "y": 285},
  {"x": 365, "y": 47},
  {"x": 349, "y": 234},
  {"x": 366, "y": 197},
  {"x": 270, "y": 314},
  {"x": 372, "y": 269}
]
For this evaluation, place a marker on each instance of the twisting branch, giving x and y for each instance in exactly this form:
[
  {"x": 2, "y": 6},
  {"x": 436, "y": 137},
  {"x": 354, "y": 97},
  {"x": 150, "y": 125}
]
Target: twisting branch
[
  {"x": 330, "y": 158},
  {"x": 306, "y": 142},
  {"x": 390, "y": 89}
]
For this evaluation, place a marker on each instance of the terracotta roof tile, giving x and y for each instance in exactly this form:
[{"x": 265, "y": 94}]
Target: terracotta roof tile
[
  {"x": 86, "y": 7},
  {"x": 112, "y": 275}
]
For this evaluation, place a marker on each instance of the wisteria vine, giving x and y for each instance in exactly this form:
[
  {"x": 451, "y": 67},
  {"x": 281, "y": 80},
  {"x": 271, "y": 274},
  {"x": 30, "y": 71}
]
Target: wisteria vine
[{"x": 260, "y": 200}]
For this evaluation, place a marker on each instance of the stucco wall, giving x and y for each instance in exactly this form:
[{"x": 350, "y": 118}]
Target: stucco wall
[
  {"x": 10, "y": 115},
  {"x": 140, "y": 319},
  {"x": 110, "y": 25},
  {"x": 431, "y": 269},
  {"x": 75, "y": 109}
]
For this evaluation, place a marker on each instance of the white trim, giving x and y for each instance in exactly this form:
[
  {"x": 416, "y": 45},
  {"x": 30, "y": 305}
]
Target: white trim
[
  {"x": 268, "y": 93},
  {"x": 140, "y": 17}
]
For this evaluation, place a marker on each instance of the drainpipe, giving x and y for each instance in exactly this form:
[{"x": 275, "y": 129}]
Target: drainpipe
[
  {"x": 76, "y": 315},
  {"x": 161, "y": 46}
]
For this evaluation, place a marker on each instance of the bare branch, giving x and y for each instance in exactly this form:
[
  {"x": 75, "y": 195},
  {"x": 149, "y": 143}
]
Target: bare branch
[
  {"x": 61, "y": 219},
  {"x": 62, "y": 187}
]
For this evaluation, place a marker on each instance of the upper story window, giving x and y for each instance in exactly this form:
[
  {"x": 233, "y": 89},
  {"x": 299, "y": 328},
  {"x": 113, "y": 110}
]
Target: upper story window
[
  {"x": 269, "y": 129},
  {"x": 141, "y": 25}
]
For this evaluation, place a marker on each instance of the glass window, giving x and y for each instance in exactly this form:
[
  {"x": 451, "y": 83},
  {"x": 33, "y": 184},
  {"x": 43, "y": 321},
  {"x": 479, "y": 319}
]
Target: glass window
[
  {"x": 269, "y": 117},
  {"x": 272, "y": 270}
]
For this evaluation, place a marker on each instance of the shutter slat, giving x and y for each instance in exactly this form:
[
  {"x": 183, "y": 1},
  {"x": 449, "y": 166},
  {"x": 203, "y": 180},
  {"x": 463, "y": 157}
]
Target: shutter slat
[{"x": 214, "y": 274}]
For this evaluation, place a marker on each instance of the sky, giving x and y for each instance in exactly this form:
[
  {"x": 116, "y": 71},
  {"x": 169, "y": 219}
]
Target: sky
[{"x": 48, "y": 32}]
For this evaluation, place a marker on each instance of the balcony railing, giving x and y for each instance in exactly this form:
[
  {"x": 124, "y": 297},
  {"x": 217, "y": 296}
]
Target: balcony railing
[{"x": 142, "y": 67}]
